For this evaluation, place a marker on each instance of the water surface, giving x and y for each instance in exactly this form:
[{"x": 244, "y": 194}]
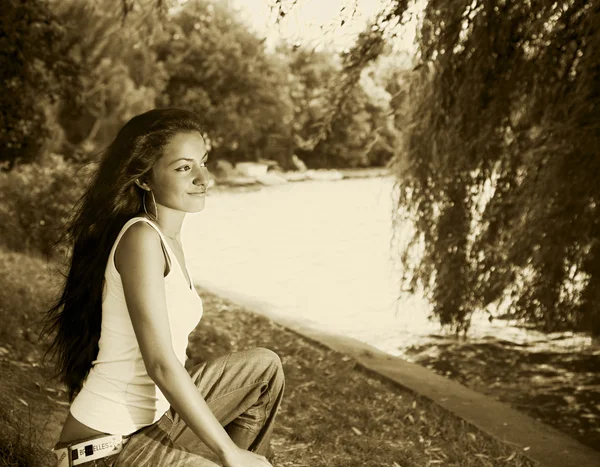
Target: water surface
[{"x": 320, "y": 253}]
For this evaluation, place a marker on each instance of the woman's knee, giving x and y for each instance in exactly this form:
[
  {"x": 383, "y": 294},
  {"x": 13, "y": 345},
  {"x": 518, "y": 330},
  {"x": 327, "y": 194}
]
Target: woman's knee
[
  {"x": 269, "y": 359},
  {"x": 266, "y": 356}
]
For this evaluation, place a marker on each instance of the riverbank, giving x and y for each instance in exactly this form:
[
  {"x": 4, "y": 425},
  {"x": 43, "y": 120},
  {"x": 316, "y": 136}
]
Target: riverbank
[{"x": 334, "y": 413}]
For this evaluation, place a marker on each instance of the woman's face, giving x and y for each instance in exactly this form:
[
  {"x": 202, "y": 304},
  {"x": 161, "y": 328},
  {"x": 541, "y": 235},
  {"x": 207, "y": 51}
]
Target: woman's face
[{"x": 179, "y": 179}]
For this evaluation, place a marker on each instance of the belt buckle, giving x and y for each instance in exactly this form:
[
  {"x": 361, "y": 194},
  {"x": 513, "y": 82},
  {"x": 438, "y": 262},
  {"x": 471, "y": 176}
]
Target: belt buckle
[{"x": 88, "y": 450}]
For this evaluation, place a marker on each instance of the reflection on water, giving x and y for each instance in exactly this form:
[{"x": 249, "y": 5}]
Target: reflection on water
[{"x": 319, "y": 253}]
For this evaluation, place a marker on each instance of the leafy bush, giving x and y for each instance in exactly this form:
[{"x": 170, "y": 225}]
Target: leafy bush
[
  {"x": 36, "y": 201},
  {"x": 34, "y": 73}
]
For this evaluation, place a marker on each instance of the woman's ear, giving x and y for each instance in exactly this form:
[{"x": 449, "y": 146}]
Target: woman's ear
[{"x": 142, "y": 185}]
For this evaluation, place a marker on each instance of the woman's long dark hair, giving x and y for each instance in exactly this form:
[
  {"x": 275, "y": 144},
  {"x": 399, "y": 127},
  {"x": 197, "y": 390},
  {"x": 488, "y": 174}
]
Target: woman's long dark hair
[{"x": 111, "y": 200}]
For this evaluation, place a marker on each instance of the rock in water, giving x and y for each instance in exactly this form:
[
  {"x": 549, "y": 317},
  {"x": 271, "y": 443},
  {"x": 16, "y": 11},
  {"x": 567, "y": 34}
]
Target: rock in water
[
  {"x": 298, "y": 163},
  {"x": 271, "y": 179},
  {"x": 251, "y": 169},
  {"x": 295, "y": 176},
  {"x": 325, "y": 175}
]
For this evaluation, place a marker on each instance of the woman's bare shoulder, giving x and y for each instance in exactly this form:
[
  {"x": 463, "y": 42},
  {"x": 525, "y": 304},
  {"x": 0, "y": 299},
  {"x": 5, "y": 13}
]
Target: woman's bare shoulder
[{"x": 140, "y": 243}]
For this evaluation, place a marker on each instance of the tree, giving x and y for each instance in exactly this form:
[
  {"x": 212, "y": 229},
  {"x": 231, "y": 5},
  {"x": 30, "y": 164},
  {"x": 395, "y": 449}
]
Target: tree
[
  {"x": 312, "y": 74},
  {"x": 333, "y": 130},
  {"x": 500, "y": 173},
  {"x": 34, "y": 73},
  {"x": 119, "y": 73},
  {"x": 360, "y": 135},
  {"x": 220, "y": 70}
]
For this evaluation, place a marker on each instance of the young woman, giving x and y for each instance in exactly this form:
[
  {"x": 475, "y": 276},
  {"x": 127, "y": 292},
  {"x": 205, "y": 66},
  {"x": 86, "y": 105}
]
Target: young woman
[{"x": 122, "y": 322}]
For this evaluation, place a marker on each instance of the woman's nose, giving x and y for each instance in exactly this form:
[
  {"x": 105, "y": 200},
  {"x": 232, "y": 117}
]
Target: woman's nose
[{"x": 201, "y": 176}]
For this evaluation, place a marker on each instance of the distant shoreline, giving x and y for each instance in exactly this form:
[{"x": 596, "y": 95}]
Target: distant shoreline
[{"x": 230, "y": 185}]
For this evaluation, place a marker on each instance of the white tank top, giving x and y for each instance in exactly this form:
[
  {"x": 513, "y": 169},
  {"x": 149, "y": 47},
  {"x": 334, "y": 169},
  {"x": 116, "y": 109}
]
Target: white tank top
[{"x": 118, "y": 396}]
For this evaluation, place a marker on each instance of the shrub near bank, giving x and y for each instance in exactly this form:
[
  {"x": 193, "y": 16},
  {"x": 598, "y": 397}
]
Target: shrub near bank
[{"x": 37, "y": 199}]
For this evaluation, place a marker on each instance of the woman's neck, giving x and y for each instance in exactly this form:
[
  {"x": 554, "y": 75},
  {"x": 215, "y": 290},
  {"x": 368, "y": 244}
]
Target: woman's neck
[{"x": 170, "y": 221}]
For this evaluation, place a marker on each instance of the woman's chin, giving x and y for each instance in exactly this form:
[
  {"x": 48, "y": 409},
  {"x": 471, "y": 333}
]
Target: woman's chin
[{"x": 196, "y": 207}]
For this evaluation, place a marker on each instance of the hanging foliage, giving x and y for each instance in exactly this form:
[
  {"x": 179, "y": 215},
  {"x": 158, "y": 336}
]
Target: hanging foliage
[{"x": 500, "y": 174}]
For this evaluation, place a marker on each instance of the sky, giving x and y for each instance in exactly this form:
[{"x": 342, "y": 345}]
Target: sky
[{"x": 317, "y": 23}]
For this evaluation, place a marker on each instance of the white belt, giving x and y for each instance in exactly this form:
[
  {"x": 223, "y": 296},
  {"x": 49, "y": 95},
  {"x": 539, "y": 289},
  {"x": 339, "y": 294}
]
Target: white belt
[{"x": 92, "y": 449}]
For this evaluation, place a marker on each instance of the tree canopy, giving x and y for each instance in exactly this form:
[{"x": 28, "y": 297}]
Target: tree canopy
[
  {"x": 34, "y": 74},
  {"x": 220, "y": 70},
  {"x": 102, "y": 62}
]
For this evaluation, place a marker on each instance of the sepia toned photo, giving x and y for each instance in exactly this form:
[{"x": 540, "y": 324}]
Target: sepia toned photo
[{"x": 300, "y": 233}]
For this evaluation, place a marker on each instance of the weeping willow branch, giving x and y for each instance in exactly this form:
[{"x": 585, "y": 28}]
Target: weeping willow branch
[{"x": 500, "y": 174}]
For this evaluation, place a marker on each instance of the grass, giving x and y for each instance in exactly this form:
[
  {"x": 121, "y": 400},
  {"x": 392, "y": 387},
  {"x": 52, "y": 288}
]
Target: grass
[
  {"x": 333, "y": 414},
  {"x": 19, "y": 436}
]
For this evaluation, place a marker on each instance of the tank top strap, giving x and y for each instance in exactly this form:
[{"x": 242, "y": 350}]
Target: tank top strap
[{"x": 172, "y": 258}]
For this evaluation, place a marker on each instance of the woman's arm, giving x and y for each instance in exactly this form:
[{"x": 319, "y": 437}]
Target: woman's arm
[{"x": 140, "y": 261}]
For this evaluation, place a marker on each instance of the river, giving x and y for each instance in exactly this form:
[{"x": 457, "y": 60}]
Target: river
[{"x": 320, "y": 253}]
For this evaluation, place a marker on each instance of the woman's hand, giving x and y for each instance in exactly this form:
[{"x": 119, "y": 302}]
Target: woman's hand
[{"x": 243, "y": 458}]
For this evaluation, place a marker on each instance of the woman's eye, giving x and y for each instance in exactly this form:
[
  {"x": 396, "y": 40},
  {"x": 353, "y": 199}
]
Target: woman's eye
[{"x": 184, "y": 168}]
